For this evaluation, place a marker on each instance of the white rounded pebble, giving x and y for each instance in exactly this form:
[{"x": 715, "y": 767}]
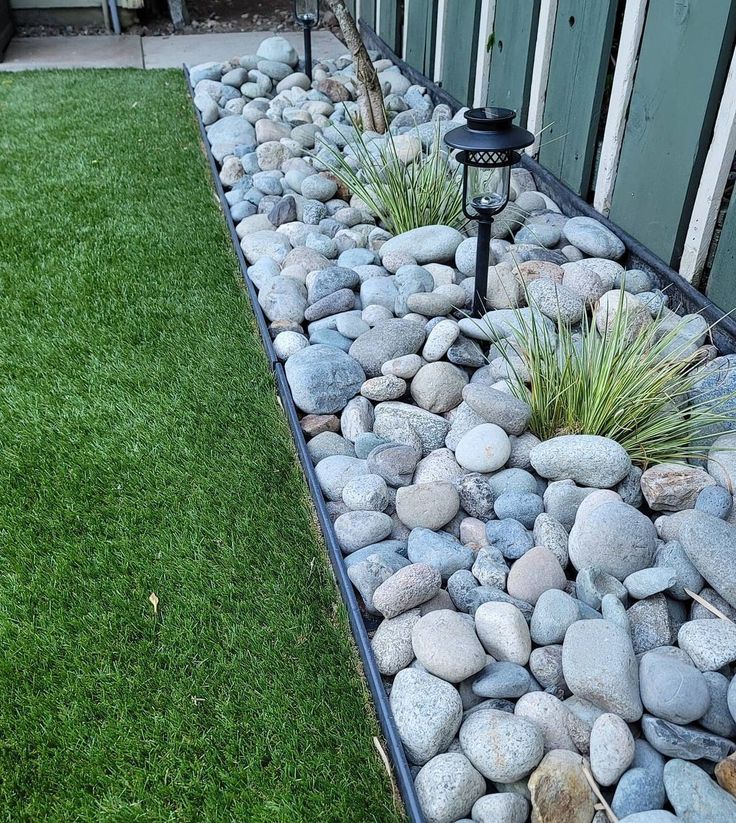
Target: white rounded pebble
[{"x": 485, "y": 448}]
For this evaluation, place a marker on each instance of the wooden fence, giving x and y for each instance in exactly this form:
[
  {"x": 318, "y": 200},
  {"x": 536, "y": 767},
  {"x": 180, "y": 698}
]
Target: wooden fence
[{"x": 633, "y": 103}]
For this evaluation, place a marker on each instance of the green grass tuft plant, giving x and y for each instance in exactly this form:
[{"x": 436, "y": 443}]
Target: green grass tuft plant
[
  {"x": 638, "y": 392},
  {"x": 423, "y": 192}
]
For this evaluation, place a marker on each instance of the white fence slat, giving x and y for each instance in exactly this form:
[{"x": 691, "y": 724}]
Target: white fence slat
[
  {"x": 712, "y": 183},
  {"x": 405, "y": 29},
  {"x": 438, "y": 53},
  {"x": 483, "y": 60},
  {"x": 623, "y": 81},
  {"x": 540, "y": 70}
]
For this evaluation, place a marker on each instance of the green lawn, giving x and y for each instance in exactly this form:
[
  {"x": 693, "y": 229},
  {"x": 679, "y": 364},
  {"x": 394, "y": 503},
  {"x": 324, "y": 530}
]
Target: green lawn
[{"x": 143, "y": 450}]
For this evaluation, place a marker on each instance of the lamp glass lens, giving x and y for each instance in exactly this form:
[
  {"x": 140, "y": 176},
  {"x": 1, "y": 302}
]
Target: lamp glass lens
[
  {"x": 487, "y": 189},
  {"x": 307, "y": 11}
]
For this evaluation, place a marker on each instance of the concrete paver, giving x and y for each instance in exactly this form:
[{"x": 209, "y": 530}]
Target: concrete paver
[
  {"x": 132, "y": 51},
  {"x": 83, "y": 52}
]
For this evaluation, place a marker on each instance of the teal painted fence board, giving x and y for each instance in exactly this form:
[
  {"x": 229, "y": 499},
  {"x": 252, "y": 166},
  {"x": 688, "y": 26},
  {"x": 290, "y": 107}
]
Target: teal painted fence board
[
  {"x": 388, "y": 25},
  {"x": 721, "y": 286},
  {"x": 368, "y": 12},
  {"x": 512, "y": 55},
  {"x": 684, "y": 57},
  {"x": 460, "y": 48},
  {"x": 421, "y": 31},
  {"x": 581, "y": 49}
]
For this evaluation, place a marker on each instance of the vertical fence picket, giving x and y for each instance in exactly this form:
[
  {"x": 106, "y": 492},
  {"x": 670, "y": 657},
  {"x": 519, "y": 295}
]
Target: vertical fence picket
[
  {"x": 717, "y": 165},
  {"x": 623, "y": 81},
  {"x": 459, "y": 44},
  {"x": 512, "y": 55},
  {"x": 387, "y": 14},
  {"x": 540, "y": 71},
  {"x": 581, "y": 50},
  {"x": 483, "y": 56},
  {"x": 682, "y": 67},
  {"x": 421, "y": 27}
]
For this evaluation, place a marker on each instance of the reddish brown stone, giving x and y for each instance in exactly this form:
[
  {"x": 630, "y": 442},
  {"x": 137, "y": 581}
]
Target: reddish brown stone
[
  {"x": 314, "y": 424},
  {"x": 726, "y": 774}
]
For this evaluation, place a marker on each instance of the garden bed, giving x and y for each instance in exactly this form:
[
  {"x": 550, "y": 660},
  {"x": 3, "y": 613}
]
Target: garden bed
[{"x": 437, "y": 501}]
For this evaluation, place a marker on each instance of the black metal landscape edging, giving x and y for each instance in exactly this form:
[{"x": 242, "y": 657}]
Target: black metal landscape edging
[
  {"x": 687, "y": 298},
  {"x": 402, "y": 772}
]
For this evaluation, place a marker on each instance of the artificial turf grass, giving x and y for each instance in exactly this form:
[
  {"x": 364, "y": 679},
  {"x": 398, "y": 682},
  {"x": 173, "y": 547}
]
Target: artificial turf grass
[{"x": 143, "y": 451}]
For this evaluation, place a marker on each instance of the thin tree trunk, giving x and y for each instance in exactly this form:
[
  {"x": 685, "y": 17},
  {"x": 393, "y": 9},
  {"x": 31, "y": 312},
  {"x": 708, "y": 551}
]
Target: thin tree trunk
[{"x": 370, "y": 98}]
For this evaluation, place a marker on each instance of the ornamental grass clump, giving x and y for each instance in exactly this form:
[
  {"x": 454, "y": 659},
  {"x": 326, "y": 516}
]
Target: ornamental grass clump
[
  {"x": 639, "y": 390},
  {"x": 425, "y": 191}
]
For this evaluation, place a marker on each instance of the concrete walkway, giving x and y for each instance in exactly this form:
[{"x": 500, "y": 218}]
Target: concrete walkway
[{"x": 132, "y": 51}]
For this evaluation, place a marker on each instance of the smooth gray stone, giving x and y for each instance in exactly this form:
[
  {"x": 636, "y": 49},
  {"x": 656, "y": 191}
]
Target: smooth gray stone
[
  {"x": 427, "y": 711},
  {"x": 460, "y": 587},
  {"x": 386, "y": 548},
  {"x": 715, "y": 501},
  {"x": 718, "y": 717},
  {"x": 711, "y": 546},
  {"x": 651, "y": 624},
  {"x": 439, "y": 549},
  {"x": 502, "y": 680},
  {"x": 521, "y": 506},
  {"x": 491, "y": 594},
  {"x": 322, "y": 379},
  {"x": 685, "y": 742},
  {"x": 694, "y": 796},
  {"x": 510, "y": 537},
  {"x": 672, "y": 689},
  {"x": 599, "y": 665},
  {"x": 672, "y": 555},
  {"x": 448, "y": 786}
]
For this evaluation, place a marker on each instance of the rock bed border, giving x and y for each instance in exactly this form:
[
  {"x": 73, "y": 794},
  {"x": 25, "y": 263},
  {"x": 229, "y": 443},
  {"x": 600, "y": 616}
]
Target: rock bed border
[
  {"x": 402, "y": 774},
  {"x": 689, "y": 299}
]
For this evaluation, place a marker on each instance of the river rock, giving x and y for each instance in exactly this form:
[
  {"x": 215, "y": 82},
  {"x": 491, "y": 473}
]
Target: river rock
[
  {"x": 711, "y": 546},
  {"x": 427, "y": 244},
  {"x": 671, "y": 688},
  {"x": 504, "y": 632},
  {"x": 599, "y": 665},
  {"x": 439, "y": 549},
  {"x": 427, "y": 712},
  {"x": 357, "y": 529},
  {"x": 671, "y": 488},
  {"x": 336, "y": 471},
  {"x": 446, "y": 645},
  {"x": 428, "y": 505},
  {"x": 686, "y": 742},
  {"x": 386, "y": 341},
  {"x": 438, "y": 387},
  {"x": 322, "y": 379},
  {"x": 391, "y": 643},
  {"x": 431, "y": 428},
  {"x": 501, "y": 807},
  {"x": 586, "y": 459},
  {"x": 560, "y": 791},
  {"x": 614, "y": 538},
  {"x": 407, "y": 588},
  {"x": 484, "y": 448},
  {"x": 694, "y": 796},
  {"x": 447, "y": 787},
  {"x": 502, "y": 747},
  {"x": 611, "y": 749},
  {"x": 555, "y": 611},
  {"x": 501, "y": 408},
  {"x": 537, "y": 571},
  {"x": 711, "y": 644},
  {"x": 593, "y": 238}
]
